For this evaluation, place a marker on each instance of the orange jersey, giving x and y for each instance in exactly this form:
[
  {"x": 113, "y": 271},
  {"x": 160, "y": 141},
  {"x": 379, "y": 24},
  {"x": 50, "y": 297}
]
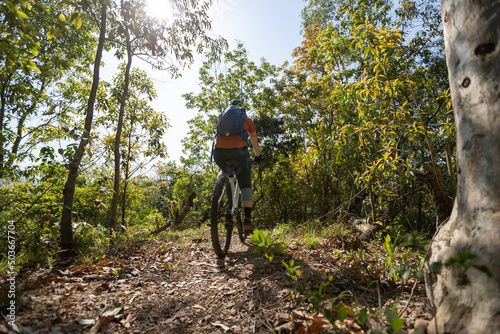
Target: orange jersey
[{"x": 233, "y": 140}]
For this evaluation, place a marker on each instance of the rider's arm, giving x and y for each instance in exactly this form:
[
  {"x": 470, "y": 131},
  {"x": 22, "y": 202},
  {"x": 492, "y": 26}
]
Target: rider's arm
[{"x": 255, "y": 143}]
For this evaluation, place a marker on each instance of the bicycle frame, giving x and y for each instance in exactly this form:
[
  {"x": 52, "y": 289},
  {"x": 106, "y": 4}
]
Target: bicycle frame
[{"x": 235, "y": 190}]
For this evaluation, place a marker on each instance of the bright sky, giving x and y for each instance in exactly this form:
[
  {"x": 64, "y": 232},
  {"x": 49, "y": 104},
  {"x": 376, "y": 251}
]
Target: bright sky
[{"x": 269, "y": 29}]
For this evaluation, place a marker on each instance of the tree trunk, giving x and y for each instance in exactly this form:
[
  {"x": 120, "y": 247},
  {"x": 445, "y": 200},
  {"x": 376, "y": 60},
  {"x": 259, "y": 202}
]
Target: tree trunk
[
  {"x": 3, "y": 89},
  {"x": 468, "y": 300},
  {"x": 116, "y": 189},
  {"x": 69, "y": 187},
  {"x": 187, "y": 204},
  {"x": 127, "y": 173}
]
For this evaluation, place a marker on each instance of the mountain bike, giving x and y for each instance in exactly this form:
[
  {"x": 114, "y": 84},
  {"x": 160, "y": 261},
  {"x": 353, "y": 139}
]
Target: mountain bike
[{"x": 226, "y": 209}]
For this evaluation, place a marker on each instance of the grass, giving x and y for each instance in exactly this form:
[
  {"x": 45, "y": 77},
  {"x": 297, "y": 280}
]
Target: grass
[{"x": 312, "y": 239}]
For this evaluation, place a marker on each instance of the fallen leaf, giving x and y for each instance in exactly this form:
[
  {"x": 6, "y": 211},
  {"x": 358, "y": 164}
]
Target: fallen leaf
[
  {"x": 79, "y": 267},
  {"x": 238, "y": 304},
  {"x": 199, "y": 307},
  {"x": 319, "y": 324},
  {"x": 301, "y": 315},
  {"x": 86, "y": 322},
  {"x": 224, "y": 327},
  {"x": 107, "y": 316}
]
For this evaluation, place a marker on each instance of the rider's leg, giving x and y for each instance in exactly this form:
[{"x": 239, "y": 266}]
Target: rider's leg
[
  {"x": 245, "y": 182},
  {"x": 247, "y": 201},
  {"x": 247, "y": 209}
]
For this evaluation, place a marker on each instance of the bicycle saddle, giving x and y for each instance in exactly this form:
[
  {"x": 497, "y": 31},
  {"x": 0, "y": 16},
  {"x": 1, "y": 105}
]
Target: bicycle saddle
[{"x": 233, "y": 167}]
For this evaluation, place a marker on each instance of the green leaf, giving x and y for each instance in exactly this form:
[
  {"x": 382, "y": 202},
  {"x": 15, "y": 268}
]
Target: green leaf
[
  {"x": 485, "y": 269},
  {"x": 268, "y": 240},
  {"x": 341, "y": 312},
  {"x": 33, "y": 66},
  {"x": 406, "y": 274},
  {"x": 50, "y": 111},
  {"x": 88, "y": 151},
  {"x": 436, "y": 267},
  {"x": 22, "y": 15},
  {"x": 62, "y": 17},
  {"x": 362, "y": 317},
  {"x": 330, "y": 317},
  {"x": 269, "y": 257},
  {"x": 77, "y": 23},
  {"x": 34, "y": 51},
  {"x": 396, "y": 323}
]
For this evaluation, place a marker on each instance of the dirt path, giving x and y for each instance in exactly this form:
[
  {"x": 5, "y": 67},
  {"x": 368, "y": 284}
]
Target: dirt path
[{"x": 160, "y": 287}]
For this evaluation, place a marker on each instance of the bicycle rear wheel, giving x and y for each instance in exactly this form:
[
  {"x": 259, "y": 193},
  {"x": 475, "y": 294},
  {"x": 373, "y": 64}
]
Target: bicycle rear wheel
[{"x": 221, "y": 221}]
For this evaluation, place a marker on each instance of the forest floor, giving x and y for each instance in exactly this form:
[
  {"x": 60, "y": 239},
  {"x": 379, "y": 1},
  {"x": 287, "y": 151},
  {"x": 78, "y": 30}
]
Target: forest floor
[{"x": 175, "y": 286}]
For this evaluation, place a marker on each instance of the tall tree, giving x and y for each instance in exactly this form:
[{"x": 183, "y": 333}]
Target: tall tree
[
  {"x": 73, "y": 166},
  {"x": 157, "y": 41},
  {"x": 129, "y": 15},
  {"x": 154, "y": 41},
  {"x": 349, "y": 94},
  {"x": 36, "y": 55},
  {"x": 467, "y": 300},
  {"x": 143, "y": 127}
]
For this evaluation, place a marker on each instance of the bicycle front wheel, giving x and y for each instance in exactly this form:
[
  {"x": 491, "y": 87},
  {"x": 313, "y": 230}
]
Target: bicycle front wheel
[{"x": 221, "y": 221}]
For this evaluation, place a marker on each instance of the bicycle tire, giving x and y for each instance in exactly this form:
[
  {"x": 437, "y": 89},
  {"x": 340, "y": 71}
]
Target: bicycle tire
[
  {"x": 239, "y": 221},
  {"x": 221, "y": 221}
]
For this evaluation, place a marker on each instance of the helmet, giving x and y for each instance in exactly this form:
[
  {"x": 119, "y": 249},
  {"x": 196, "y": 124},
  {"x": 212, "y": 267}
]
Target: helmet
[{"x": 237, "y": 103}]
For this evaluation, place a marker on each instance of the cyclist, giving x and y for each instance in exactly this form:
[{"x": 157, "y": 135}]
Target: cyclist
[{"x": 233, "y": 147}]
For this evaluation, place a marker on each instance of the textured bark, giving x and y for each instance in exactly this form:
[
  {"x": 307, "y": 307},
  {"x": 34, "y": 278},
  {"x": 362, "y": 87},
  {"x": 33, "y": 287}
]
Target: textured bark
[
  {"x": 69, "y": 188},
  {"x": 467, "y": 300}
]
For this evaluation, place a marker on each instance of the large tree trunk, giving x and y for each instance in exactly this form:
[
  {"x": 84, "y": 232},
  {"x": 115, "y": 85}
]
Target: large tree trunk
[
  {"x": 468, "y": 300},
  {"x": 69, "y": 187}
]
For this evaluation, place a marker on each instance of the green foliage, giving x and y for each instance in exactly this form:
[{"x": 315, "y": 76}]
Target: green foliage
[
  {"x": 463, "y": 259},
  {"x": 241, "y": 79},
  {"x": 393, "y": 319},
  {"x": 316, "y": 296},
  {"x": 280, "y": 233},
  {"x": 401, "y": 262},
  {"x": 312, "y": 239},
  {"x": 292, "y": 270},
  {"x": 31, "y": 208},
  {"x": 175, "y": 184},
  {"x": 266, "y": 245}
]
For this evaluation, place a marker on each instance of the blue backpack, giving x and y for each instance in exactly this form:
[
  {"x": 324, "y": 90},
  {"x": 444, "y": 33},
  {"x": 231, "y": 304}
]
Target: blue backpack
[{"x": 231, "y": 122}]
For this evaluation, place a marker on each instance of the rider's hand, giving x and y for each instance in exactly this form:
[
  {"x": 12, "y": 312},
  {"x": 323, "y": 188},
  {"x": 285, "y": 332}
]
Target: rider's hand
[{"x": 258, "y": 159}]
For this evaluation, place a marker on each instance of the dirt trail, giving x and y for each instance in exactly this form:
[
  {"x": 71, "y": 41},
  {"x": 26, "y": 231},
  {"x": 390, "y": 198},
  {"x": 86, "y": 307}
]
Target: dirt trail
[{"x": 159, "y": 287}]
